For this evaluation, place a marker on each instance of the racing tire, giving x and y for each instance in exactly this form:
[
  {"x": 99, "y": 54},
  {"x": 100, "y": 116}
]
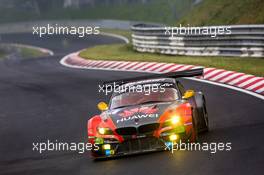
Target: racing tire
[
  {"x": 195, "y": 136},
  {"x": 205, "y": 117}
]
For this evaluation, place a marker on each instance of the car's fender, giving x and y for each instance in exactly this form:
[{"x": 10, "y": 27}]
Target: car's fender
[{"x": 92, "y": 124}]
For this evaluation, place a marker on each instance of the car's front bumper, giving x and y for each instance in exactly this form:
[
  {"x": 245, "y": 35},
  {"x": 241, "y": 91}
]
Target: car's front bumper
[
  {"x": 136, "y": 146},
  {"x": 128, "y": 147}
]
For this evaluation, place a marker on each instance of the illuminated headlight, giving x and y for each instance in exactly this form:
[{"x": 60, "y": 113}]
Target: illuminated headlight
[
  {"x": 104, "y": 131},
  {"x": 173, "y": 137},
  {"x": 101, "y": 130},
  {"x": 175, "y": 120}
]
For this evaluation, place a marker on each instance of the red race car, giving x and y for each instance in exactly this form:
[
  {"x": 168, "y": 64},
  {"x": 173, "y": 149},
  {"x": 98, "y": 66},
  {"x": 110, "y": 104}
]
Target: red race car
[{"x": 147, "y": 114}]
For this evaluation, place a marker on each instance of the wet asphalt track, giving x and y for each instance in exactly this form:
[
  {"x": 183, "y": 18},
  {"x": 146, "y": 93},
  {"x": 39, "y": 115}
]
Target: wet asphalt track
[{"x": 40, "y": 100}]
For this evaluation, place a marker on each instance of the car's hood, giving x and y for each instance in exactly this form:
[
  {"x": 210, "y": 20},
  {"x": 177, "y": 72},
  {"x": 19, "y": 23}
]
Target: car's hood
[{"x": 138, "y": 115}]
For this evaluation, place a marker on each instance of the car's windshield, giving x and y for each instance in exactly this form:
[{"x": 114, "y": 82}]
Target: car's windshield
[{"x": 135, "y": 98}]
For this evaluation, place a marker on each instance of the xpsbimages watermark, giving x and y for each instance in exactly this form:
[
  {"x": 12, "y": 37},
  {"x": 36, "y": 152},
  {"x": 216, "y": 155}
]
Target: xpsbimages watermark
[
  {"x": 147, "y": 88},
  {"x": 56, "y": 29},
  {"x": 63, "y": 146},
  {"x": 212, "y": 147},
  {"x": 212, "y": 31}
]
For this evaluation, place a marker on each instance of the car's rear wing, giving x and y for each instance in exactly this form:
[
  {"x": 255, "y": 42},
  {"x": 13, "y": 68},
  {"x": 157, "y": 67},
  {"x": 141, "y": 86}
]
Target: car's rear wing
[{"x": 179, "y": 74}]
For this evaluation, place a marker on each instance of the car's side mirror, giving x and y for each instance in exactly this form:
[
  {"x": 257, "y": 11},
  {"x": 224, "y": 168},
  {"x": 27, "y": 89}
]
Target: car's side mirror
[
  {"x": 102, "y": 106},
  {"x": 188, "y": 94}
]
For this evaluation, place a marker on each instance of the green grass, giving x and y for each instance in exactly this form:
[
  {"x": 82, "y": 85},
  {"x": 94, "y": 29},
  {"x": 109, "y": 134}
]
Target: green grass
[
  {"x": 156, "y": 11},
  {"x": 22, "y": 51},
  {"x": 125, "y": 52},
  {"x": 172, "y": 12},
  {"x": 30, "y": 52},
  {"x": 225, "y": 12},
  {"x": 125, "y": 33},
  {"x": 2, "y": 54}
]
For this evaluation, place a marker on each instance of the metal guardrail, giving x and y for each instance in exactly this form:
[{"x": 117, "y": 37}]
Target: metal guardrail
[{"x": 244, "y": 41}]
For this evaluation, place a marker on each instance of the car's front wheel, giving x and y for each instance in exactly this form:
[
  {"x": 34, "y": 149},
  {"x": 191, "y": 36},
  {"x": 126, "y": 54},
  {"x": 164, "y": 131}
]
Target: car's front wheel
[
  {"x": 195, "y": 136},
  {"x": 205, "y": 117}
]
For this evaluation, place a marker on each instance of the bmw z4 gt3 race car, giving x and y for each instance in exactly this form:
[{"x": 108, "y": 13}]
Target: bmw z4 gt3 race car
[{"x": 139, "y": 121}]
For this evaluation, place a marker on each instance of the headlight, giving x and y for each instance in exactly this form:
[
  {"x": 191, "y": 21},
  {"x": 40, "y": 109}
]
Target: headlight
[
  {"x": 104, "y": 131},
  {"x": 172, "y": 121},
  {"x": 101, "y": 130},
  {"x": 175, "y": 120}
]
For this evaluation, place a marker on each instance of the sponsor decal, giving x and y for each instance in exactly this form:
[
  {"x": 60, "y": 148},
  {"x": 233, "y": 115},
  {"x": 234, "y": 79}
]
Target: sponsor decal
[
  {"x": 144, "y": 110},
  {"x": 137, "y": 117}
]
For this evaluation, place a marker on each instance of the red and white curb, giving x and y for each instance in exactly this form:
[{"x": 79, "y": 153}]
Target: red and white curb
[{"x": 234, "y": 80}]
